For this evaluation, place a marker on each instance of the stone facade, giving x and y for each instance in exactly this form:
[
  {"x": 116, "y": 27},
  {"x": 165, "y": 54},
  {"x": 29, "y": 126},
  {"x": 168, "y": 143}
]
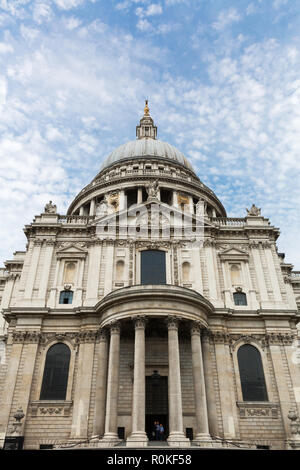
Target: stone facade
[{"x": 119, "y": 332}]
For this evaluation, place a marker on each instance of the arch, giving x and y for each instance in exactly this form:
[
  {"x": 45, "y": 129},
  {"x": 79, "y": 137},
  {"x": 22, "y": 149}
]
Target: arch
[
  {"x": 235, "y": 274},
  {"x": 56, "y": 372},
  {"x": 186, "y": 271},
  {"x": 66, "y": 297},
  {"x": 153, "y": 267},
  {"x": 120, "y": 270},
  {"x": 251, "y": 373},
  {"x": 69, "y": 275}
]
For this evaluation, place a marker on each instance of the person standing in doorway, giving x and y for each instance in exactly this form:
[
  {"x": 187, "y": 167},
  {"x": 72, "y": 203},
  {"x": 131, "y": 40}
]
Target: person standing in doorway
[
  {"x": 161, "y": 432},
  {"x": 157, "y": 431}
]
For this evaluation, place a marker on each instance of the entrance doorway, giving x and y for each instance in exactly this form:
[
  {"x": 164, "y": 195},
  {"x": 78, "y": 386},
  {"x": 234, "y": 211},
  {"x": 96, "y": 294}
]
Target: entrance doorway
[{"x": 156, "y": 404}]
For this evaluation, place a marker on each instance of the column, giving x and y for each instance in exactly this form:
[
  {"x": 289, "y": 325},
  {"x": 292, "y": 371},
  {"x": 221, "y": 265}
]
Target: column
[
  {"x": 209, "y": 384},
  {"x": 138, "y": 437},
  {"x": 176, "y": 437},
  {"x": 92, "y": 207},
  {"x": 82, "y": 395},
  {"x": 10, "y": 380},
  {"x": 202, "y": 433},
  {"x": 140, "y": 196},
  {"x": 46, "y": 270},
  {"x": 111, "y": 418},
  {"x": 99, "y": 417},
  {"x": 226, "y": 386},
  {"x": 32, "y": 269},
  {"x": 81, "y": 211},
  {"x": 93, "y": 274}
]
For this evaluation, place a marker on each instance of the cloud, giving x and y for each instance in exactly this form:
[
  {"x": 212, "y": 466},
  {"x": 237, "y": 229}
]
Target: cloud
[
  {"x": 68, "y": 4},
  {"x": 225, "y": 18},
  {"x": 73, "y": 90}
]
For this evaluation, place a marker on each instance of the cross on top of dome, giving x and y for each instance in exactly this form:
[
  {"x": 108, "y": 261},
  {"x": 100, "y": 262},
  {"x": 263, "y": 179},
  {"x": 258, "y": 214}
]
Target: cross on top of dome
[{"x": 146, "y": 129}]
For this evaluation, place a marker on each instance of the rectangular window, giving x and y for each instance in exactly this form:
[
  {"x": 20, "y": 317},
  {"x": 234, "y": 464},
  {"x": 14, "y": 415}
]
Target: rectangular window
[{"x": 153, "y": 267}]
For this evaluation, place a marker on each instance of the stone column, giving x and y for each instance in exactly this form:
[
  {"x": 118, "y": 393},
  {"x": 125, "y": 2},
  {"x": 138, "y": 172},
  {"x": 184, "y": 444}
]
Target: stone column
[
  {"x": 32, "y": 269},
  {"x": 99, "y": 417},
  {"x": 140, "y": 196},
  {"x": 81, "y": 211},
  {"x": 202, "y": 433},
  {"x": 138, "y": 437},
  {"x": 82, "y": 395},
  {"x": 46, "y": 271},
  {"x": 176, "y": 436},
  {"x": 209, "y": 384},
  {"x": 92, "y": 207},
  {"x": 226, "y": 386},
  {"x": 111, "y": 418},
  {"x": 10, "y": 379}
]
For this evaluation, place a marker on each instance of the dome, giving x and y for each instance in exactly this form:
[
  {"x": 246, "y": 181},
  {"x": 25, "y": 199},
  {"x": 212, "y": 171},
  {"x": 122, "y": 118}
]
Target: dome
[{"x": 146, "y": 148}]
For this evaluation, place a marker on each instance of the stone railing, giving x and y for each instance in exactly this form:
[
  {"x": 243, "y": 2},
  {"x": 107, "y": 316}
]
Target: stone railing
[
  {"x": 75, "y": 219},
  {"x": 148, "y": 171},
  {"x": 228, "y": 221}
]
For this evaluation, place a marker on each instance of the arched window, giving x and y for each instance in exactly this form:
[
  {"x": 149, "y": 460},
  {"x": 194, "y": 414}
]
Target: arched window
[
  {"x": 69, "y": 273},
  {"x": 153, "y": 267},
  {"x": 186, "y": 271},
  {"x": 251, "y": 374},
  {"x": 120, "y": 270},
  {"x": 235, "y": 274},
  {"x": 66, "y": 297},
  {"x": 240, "y": 298},
  {"x": 55, "y": 378}
]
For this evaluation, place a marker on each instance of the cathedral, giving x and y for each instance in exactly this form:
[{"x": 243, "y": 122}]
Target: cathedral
[{"x": 145, "y": 314}]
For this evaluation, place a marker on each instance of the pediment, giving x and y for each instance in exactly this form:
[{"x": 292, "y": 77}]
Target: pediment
[
  {"x": 139, "y": 211},
  {"x": 234, "y": 254},
  {"x": 71, "y": 251}
]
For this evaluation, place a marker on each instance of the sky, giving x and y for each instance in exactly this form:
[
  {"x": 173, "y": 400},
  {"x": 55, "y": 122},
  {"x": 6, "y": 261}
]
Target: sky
[{"x": 223, "y": 82}]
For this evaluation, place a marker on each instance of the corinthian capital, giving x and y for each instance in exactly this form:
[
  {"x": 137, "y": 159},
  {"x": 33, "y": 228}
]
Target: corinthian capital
[{"x": 139, "y": 322}]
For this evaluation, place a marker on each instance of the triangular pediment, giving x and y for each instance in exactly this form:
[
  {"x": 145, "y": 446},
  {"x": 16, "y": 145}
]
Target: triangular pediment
[
  {"x": 234, "y": 253},
  {"x": 71, "y": 251},
  {"x": 136, "y": 211}
]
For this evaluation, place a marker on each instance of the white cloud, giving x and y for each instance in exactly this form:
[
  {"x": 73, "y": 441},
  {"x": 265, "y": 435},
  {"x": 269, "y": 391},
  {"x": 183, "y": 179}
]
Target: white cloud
[
  {"x": 72, "y": 23},
  {"x": 42, "y": 12},
  {"x": 225, "y": 18},
  {"x": 154, "y": 9},
  {"x": 5, "y": 48},
  {"x": 279, "y": 3},
  {"x": 68, "y": 4}
]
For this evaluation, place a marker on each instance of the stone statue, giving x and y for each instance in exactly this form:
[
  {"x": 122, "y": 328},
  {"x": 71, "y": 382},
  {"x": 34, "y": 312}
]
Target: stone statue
[
  {"x": 50, "y": 208},
  {"x": 254, "y": 211},
  {"x": 153, "y": 190},
  {"x": 201, "y": 207},
  {"x": 102, "y": 209}
]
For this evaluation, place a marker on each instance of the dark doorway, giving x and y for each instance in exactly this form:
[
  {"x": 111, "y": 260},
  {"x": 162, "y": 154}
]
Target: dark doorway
[{"x": 156, "y": 404}]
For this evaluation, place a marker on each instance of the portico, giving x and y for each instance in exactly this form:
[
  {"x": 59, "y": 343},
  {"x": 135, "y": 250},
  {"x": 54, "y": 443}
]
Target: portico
[{"x": 187, "y": 320}]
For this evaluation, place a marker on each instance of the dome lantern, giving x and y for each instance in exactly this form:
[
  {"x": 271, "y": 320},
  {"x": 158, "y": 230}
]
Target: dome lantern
[{"x": 146, "y": 129}]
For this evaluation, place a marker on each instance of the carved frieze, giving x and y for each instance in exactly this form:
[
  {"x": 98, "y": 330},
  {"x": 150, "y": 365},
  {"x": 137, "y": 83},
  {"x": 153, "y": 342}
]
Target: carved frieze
[
  {"x": 47, "y": 409},
  {"x": 258, "y": 410}
]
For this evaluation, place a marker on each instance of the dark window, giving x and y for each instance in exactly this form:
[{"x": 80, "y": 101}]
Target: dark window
[
  {"x": 153, "y": 267},
  {"x": 189, "y": 433},
  {"x": 131, "y": 195},
  {"x": 251, "y": 374},
  {"x": 55, "y": 379},
  {"x": 121, "y": 433},
  {"x": 166, "y": 196},
  {"x": 46, "y": 446},
  {"x": 240, "y": 298},
  {"x": 66, "y": 297}
]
